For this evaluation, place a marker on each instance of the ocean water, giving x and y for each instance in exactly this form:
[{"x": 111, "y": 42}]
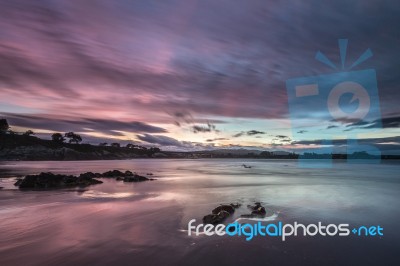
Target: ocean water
[{"x": 146, "y": 223}]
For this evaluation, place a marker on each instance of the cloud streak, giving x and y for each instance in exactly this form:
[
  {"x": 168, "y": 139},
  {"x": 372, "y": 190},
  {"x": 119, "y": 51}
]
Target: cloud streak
[
  {"x": 81, "y": 125},
  {"x": 218, "y": 58},
  {"x": 137, "y": 67},
  {"x": 249, "y": 133}
]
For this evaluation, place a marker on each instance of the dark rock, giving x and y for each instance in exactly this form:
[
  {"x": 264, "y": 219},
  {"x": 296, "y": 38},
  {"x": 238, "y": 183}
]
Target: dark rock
[
  {"x": 257, "y": 211},
  {"x": 227, "y": 208},
  {"x": 220, "y": 213},
  {"x": 88, "y": 182},
  {"x": 19, "y": 181},
  {"x": 45, "y": 180},
  {"x": 210, "y": 219},
  {"x": 216, "y": 218},
  {"x": 87, "y": 175},
  {"x": 135, "y": 178},
  {"x": 235, "y": 205},
  {"x": 255, "y": 207},
  {"x": 50, "y": 180},
  {"x": 128, "y": 173},
  {"x": 126, "y": 176},
  {"x": 113, "y": 173}
]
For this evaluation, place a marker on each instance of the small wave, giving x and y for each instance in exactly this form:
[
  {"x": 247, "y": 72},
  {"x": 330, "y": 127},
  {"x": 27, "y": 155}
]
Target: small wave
[
  {"x": 103, "y": 195},
  {"x": 264, "y": 219}
]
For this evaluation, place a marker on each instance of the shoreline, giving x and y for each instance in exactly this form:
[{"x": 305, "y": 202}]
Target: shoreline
[{"x": 386, "y": 158}]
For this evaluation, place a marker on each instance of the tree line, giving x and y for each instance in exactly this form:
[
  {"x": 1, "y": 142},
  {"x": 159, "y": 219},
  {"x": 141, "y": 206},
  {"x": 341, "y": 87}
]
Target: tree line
[{"x": 72, "y": 138}]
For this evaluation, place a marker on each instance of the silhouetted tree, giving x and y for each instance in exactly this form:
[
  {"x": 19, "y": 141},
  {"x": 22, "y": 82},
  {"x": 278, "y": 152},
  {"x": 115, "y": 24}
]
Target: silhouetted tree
[
  {"x": 130, "y": 146},
  {"x": 29, "y": 133},
  {"x": 154, "y": 150},
  {"x": 151, "y": 151},
  {"x": 73, "y": 138},
  {"x": 266, "y": 154},
  {"x": 115, "y": 145},
  {"x": 57, "y": 137},
  {"x": 103, "y": 144},
  {"x": 4, "y": 125},
  {"x": 141, "y": 147}
]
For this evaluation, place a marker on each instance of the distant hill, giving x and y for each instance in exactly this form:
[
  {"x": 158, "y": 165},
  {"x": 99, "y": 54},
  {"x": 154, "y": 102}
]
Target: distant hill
[
  {"x": 23, "y": 147},
  {"x": 26, "y": 147},
  {"x": 233, "y": 151}
]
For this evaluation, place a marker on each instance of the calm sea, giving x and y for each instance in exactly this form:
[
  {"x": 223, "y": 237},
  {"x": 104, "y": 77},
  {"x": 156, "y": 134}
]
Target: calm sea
[{"x": 118, "y": 223}]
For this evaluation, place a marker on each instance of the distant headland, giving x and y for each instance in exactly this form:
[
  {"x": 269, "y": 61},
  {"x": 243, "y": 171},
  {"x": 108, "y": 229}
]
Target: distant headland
[{"x": 68, "y": 147}]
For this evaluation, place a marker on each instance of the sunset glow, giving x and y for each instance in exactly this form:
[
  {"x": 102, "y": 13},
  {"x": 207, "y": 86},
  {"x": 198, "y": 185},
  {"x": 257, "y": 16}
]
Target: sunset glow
[{"x": 130, "y": 71}]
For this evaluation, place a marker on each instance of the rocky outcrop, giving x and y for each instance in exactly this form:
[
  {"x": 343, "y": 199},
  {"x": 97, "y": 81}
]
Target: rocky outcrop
[
  {"x": 126, "y": 176},
  {"x": 227, "y": 208},
  {"x": 220, "y": 213},
  {"x": 90, "y": 175},
  {"x": 256, "y": 211},
  {"x": 40, "y": 153},
  {"x": 50, "y": 180},
  {"x": 116, "y": 173},
  {"x": 137, "y": 178}
]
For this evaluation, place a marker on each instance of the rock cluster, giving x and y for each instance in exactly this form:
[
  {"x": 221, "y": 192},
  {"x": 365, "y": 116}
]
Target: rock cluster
[
  {"x": 256, "y": 211},
  {"x": 220, "y": 213},
  {"x": 126, "y": 176},
  {"x": 50, "y": 180}
]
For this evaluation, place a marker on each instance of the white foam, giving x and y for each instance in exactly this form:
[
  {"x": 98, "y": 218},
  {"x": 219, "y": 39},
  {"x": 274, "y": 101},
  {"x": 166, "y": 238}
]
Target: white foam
[{"x": 264, "y": 219}]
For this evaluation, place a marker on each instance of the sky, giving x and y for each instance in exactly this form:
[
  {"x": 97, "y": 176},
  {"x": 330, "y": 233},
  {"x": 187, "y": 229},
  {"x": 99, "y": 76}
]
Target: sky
[{"x": 194, "y": 75}]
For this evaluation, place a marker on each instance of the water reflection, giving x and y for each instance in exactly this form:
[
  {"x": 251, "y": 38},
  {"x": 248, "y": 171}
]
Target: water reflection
[
  {"x": 103, "y": 195},
  {"x": 117, "y": 222}
]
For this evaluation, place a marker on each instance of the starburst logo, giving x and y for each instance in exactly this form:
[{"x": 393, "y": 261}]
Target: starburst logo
[
  {"x": 343, "y": 52},
  {"x": 333, "y": 105}
]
